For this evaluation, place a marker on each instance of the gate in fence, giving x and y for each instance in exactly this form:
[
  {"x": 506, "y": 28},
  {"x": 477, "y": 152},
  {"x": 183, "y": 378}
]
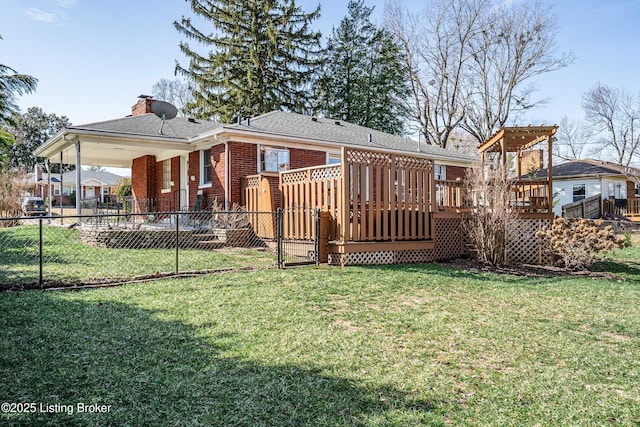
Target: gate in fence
[{"x": 298, "y": 236}]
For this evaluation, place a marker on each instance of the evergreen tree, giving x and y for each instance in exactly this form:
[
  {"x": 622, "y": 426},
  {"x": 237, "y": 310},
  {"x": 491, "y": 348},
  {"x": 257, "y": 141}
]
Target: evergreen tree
[
  {"x": 12, "y": 84},
  {"x": 31, "y": 130},
  {"x": 261, "y": 55},
  {"x": 363, "y": 80}
]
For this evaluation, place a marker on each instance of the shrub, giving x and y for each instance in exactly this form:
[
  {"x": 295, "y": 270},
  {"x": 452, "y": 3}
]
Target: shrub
[
  {"x": 493, "y": 222},
  {"x": 578, "y": 243},
  {"x": 13, "y": 187}
]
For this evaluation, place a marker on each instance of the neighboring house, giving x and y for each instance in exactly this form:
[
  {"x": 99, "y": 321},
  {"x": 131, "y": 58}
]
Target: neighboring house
[
  {"x": 95, "y": 185},
  {"x": 580, "y": 179},
  {"x": 184, "y": 161}
]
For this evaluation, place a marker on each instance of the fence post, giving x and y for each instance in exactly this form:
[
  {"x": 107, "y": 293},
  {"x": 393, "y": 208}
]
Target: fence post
[
  {"x": 40, "y": 244},
  {"x": 279, "y": 234},
  {"x": 177, "y": 241},
  {"x": 316, "y": 242}
]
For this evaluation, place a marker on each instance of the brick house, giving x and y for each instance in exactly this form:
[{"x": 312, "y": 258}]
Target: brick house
[{"x": 186, "y": 163}]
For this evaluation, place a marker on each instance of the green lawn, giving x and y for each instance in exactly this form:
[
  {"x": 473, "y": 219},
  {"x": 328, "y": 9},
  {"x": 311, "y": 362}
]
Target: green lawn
[
  {"x": 366, "y": 346},
  {"x": 67, "y": 260}
]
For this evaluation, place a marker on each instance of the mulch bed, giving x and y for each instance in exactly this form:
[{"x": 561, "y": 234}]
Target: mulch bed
[{"x": 526, "y": 270}]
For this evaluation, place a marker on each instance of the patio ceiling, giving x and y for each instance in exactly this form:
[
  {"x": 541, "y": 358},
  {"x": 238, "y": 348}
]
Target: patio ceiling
[{"x": 109, "y": 151}]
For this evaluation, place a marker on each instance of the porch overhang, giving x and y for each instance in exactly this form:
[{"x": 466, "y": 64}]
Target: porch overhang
[{"x": 109, "y": 150}]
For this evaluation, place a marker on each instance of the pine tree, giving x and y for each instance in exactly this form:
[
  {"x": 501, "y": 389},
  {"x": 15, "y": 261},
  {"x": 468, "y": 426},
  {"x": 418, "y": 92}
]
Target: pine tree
[
  {"x": 261, "y": 55},
  {"x": 363, "y": 80}
]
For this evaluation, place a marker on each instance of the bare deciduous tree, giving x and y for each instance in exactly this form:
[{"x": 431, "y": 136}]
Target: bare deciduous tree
[
  {"x": 614, "y": 118},
  {"x": 572, "y": 140},
  {"x": 174, "y": 91},
  {"x": 472, "y": 62},
  {"x": 515, "y": 45},
  {"x": 435, "y": 46}
]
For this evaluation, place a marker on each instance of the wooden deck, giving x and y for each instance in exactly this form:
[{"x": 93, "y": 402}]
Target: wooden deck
[{"x": 630, "y": 208}]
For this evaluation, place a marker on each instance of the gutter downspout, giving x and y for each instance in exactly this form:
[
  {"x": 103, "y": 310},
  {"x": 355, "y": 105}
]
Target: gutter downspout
[{"x": 226, "y": 176}]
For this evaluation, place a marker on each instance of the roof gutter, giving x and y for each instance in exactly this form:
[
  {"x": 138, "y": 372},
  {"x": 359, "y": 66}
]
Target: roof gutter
[{"x": 462, "y": 161}]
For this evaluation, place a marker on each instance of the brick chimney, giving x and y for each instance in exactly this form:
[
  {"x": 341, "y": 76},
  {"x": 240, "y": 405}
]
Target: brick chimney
[{"x": 143, "y": 106}]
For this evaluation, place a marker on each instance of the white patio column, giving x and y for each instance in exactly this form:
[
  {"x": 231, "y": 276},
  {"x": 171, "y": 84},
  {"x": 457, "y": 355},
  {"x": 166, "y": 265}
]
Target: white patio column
[
  {"x": 61, "y": 190},
  {"x": 78, "y": 179}
]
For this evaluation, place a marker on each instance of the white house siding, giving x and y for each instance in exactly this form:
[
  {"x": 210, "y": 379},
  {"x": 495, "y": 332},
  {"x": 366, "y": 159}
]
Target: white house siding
[
  {"x": 619, "y": 192},
  {"x": 563, "y": 188}
]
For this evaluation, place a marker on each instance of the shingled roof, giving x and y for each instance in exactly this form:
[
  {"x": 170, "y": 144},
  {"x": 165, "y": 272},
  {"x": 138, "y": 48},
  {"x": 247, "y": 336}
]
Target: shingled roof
[
  {"x": 336, "y": 131},
  {"x": 584, "y": 167},
  {"x": 149, "y": 125}
]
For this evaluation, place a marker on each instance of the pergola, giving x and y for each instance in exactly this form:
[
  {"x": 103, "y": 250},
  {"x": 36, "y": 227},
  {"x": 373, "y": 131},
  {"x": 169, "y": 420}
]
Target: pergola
[{"x": 519, "y": 139}]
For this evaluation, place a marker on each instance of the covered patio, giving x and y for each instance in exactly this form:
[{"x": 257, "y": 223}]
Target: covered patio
[{"x": 532, "y": 197}]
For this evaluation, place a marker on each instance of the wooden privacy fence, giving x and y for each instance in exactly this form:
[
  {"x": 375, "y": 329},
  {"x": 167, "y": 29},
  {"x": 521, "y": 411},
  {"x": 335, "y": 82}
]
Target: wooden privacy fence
[
  {"x": 304, "y": 190},
  {"x": 385, "y": 197},
  {"x": 589, "y": 208}
]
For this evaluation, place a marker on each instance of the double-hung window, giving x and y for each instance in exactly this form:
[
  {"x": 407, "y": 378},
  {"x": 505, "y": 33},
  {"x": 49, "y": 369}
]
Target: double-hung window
[
  {"x": 205, "y": 167},
  {"x": 166, "y": 174},
  {"x": 579, "y": 192},
  {"x": 274, "y": 159}
]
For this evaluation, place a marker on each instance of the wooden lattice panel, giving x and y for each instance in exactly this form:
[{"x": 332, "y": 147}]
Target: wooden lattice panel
[
  {"x": 252, "y": 181},
  {"x": 362, "y": 258},
  {"x": 449, "y": 242},
  {"x": 332, "y": 172},
  {"x": 293, "y": 177},
  {"x": 414, "y": 256},
  {"x": 526, "y": 247},
  {"x": 407, "y": 162},
  {"x": 367, "y": 157}
]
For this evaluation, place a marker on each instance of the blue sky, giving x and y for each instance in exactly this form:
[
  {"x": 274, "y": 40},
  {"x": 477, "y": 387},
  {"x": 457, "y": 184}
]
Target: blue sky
[{"x": 93, "y": 58}]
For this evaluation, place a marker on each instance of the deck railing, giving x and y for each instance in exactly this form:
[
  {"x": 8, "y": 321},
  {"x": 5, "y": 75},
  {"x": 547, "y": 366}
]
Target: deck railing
[
  {"x": 625, "y": 207},
  {"x": 530, "y": 195},
  {"x": 450, "y": 195}
]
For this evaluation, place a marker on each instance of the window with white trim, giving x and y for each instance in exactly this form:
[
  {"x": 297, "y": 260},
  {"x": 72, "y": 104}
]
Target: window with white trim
[
  {"x": 274, "y": 159},
  {"x": 333, "y": 158},
  {"x": 56, "y": 190},
  {"x": 166, "y": 174},
  {"x": 105, "y": 191},
  {"x": 637, "y": 186},
  {"x": 205, "y": 166},
  {"x": 440, "y": 172},
  {"x": 579, "y": 192}
]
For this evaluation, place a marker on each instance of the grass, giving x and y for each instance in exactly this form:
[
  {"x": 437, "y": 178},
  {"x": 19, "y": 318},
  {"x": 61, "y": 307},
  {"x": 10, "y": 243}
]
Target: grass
[
  {"x": 69, "y": 260},
  {"x": 367, "y": 346}
]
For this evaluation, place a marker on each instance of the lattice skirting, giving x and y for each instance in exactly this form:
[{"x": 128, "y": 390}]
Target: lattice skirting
[
  {"x": 526, "y": 248},
  {"x": 382, "y": 257},
  {"x": 449, "y": 243}
]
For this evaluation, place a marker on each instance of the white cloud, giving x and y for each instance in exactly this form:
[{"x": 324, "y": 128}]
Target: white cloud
[
  {"x": 65, "y": 3},
  {"x": 43, "y": 16}
]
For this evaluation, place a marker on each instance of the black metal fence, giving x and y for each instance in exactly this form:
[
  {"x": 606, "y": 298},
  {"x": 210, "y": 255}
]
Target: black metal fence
[
  {"x": 108, "y": 248},
  {"x": 295, "y": 251}
]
